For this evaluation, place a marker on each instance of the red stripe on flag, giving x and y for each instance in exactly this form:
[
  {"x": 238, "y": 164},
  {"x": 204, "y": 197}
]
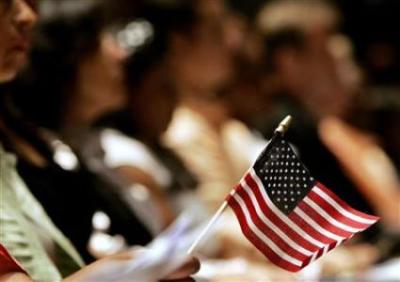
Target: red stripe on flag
[
  {"x": 344, "y": 205},
  {"x": 258, "y": 243},
  {"x": 329, "y": 247},
  {"x": 276, "y": 220},
  {"x": 335, "y": 213},
  {"x": 271, "y": 234},
  {"x": 322, "y": 221},
  {"x": 300, "y": 222}
]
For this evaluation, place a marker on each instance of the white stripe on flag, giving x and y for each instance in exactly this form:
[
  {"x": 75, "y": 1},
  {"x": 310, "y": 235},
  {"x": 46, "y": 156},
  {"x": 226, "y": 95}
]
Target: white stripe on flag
[
  {"x": 262, "y": 236},
  {"x": 281, "y": 215},
  {"x": 340, "y": 209},
  {"x": 316, "y": 226},
  {"x": 331, "y": 220},
  {"x": 271, "y": 225}
]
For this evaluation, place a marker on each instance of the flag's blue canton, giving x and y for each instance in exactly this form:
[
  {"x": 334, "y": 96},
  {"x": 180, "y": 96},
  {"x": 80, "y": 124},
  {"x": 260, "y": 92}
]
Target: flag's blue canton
[{"x": 286, "y": 180}]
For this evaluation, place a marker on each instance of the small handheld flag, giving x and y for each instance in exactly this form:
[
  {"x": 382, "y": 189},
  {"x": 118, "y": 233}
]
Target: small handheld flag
[{"x": 287, "y": 214}]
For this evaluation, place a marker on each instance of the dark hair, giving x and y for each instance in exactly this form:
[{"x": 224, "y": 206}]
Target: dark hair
[
  {"x": 5, "y": 4},
  {"x": 173, "y": 15},
  {"x": 275, "y": 41},
  {"x": 165, "y": 18},
  {"x": 291, "y": 31},
  {"x": 68, "y": 31}
]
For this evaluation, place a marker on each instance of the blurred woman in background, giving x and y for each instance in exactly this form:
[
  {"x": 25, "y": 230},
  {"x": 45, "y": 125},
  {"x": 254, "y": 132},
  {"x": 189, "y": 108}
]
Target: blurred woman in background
[
  {"x": 213, "y": 145},
  {"x": 125, "y": 144},
  {"x": 74, "y": 35},
  {"x": 26, "y": 231}
]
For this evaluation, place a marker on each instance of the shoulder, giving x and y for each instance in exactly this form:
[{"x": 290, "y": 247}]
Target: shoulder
[
  {"x": 121, "y": 150},
  {"x": 186, "y": 126}
]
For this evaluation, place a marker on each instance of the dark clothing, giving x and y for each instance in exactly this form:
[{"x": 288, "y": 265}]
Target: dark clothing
[
  {"x": 67, "y": 199},
  {"x": 182, "y": 179},
  {"x": 88, "y": 142},
  {"x": 72, "y": 197}
]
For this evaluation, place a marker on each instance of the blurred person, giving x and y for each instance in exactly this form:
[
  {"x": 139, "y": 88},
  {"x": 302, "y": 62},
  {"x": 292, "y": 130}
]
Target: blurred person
[
  {"x": 245, "y": 96},
  {"x": 73, "y": 35},
  {"x": 129, "y": 138},
  {"x": 26, "y": 231},
  {"x": 212, "y": 144},
  {"x": 315, "y": 78},
  {"x": 312, "y": 60},
  {"x": 88, "y": 76},
  {"x": 380, "y": 114}
]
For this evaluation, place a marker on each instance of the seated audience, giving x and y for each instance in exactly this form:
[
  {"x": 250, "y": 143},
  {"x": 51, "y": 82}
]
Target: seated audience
[
  {"x": 129, "y": 138},
  {"x": 26, "y": 230},
  {"x": 214, "y": 146},
  {"x": 52, "y": 170}
]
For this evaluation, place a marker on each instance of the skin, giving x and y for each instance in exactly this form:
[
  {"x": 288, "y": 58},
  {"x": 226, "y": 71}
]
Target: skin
[
  {"x": 208, "y": 51},
  {"x": 104, "y": 92},
  {"x": 153, "y": 118},
  {"x": 17, "y": 18},
  {"x": 16, "y": 22}
]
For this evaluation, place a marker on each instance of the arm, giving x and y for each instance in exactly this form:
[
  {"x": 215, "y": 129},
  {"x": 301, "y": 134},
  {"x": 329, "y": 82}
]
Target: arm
[
  {"x": 367, "y": 166},
  {"x": 15, "y": 277},
  {"x": 189, "y": 268}
]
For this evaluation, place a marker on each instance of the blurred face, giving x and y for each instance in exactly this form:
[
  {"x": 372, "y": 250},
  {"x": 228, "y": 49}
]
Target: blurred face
[
  {"x": 17, "y": 18},
  {"x": 100, "y": 81},
  {"x": 323, "y": 70},
  {"x": 154, "y": 101},
  {"x": 318, "y": 76},
  {"x": 204, "y": 57}
]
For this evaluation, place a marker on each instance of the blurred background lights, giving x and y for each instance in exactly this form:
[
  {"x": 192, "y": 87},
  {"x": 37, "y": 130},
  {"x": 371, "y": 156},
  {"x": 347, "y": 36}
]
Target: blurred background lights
[{"x": 135, "y": 34}]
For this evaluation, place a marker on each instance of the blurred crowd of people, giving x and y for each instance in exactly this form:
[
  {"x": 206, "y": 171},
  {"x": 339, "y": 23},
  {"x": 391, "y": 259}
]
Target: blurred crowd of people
[{"x": 128, "y": 113}]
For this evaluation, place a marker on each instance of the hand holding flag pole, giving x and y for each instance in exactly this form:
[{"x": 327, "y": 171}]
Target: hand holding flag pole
[{"x": 281, "y": 129}]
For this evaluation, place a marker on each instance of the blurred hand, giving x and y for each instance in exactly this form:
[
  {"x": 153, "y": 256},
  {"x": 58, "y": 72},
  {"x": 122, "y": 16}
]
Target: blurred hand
[
  {"x": 109, "y": 266},
  {"x": 14, "y": 277},
  {"x": 117, "y": 262},
  {"x": 185, "y": 271}
]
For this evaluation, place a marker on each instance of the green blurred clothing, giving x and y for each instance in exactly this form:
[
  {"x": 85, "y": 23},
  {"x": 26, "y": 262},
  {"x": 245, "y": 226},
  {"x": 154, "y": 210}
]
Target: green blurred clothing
[{"x": 25, "y": 226}]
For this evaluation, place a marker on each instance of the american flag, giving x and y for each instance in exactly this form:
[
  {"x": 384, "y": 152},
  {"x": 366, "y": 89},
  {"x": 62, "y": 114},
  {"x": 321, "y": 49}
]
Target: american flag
[{"x": 288, "y": 215}]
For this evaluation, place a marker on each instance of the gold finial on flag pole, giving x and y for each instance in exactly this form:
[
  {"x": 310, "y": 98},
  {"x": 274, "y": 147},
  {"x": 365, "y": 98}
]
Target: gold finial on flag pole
[{"x": 284, "y": 125}]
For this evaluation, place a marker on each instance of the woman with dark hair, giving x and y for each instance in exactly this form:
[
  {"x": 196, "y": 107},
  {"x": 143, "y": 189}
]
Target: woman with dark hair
[
  {"x": 26, "y": 231},
  {"x": 71, "y": 50},
  {"x": 129, "y": 139},
  {"x": 203, "y": 132},
  {"x": 72, "y": 34}
]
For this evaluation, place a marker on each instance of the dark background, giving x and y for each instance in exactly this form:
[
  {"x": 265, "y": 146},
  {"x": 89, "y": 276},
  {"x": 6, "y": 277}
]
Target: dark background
[{"x": 373, "y": 26}]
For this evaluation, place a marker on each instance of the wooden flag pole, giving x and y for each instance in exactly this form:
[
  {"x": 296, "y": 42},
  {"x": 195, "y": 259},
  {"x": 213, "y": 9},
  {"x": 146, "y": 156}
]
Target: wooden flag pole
[
  {"x": 282, "y": 128},
  {"x": 203, "y": 233}
]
